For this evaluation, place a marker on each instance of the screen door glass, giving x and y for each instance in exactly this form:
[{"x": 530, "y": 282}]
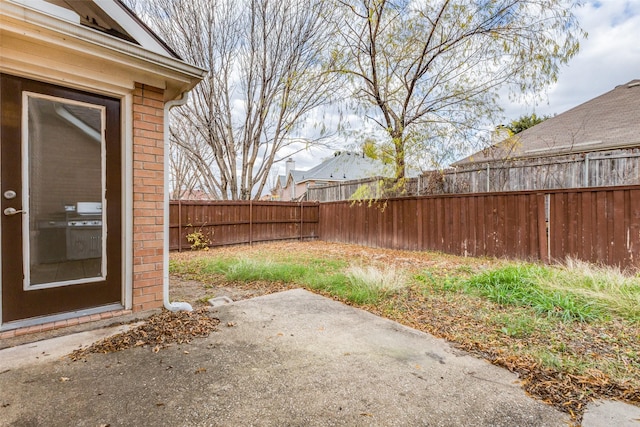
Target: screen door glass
[{"x": 64, "y": 173}]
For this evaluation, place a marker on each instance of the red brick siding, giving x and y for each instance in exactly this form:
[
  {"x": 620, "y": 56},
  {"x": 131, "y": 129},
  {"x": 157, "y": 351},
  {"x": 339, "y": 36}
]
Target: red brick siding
[{"x": 148, "y": 190}]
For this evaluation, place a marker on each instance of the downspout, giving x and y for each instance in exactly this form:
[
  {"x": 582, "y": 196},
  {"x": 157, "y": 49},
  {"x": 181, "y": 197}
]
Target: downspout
[{"x": 175, "y": 306}]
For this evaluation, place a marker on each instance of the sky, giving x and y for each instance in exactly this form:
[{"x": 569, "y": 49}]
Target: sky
[{"x": 608, "y": 57}]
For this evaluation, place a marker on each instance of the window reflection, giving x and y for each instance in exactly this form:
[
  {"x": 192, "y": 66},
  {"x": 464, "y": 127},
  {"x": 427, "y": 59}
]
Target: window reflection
[{"x": 66, "y": 179}]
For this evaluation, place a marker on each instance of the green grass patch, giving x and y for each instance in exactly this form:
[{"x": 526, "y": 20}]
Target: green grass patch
[
  {"x": 524, "y": 285},
  {"x": 518, "y": 324},
  {"x": 360, "y": 285},
  {"x": 433, "y": 280},
  {"x": 608, "y": 287},
  {"x": 574, "y": 291},
  {"x": 249, "y": 270}
]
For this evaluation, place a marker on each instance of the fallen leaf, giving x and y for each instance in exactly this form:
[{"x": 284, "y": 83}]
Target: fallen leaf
[{"x": 159, "y": 331}]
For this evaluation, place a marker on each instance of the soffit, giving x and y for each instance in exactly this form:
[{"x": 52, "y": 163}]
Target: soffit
[
  {"x": 36, "y": 44},
  {"x": 91, "y": 15}
]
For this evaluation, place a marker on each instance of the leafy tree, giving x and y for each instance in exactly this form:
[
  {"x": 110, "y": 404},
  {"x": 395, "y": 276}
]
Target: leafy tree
[
  {"x": 266, "y": 73},
  {"x": 525, "y": 122},
  {"x": 432, "y": 70}
]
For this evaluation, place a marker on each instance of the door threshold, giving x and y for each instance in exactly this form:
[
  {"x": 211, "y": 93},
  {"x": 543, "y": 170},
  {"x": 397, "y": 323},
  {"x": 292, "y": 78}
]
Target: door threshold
[{"x": 34, "y": 321}]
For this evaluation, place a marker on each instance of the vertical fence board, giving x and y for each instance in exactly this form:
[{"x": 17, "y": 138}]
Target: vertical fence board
[
  {"x": 632, "y": 224},
  {"x": 522, "y": 233},
  {"x": 600, "y": 226},
  {"x": 618, "y": 250},
  {"x": 542, "y": 243},
  {"x": 481, "y": 227}
]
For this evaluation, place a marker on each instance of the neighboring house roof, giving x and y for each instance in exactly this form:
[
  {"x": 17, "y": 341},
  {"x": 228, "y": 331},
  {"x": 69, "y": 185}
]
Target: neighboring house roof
[
  {"x": 342, "y": 166},
  {"x": 298, "y": 176},
  {"x": 609, "y": 121}
]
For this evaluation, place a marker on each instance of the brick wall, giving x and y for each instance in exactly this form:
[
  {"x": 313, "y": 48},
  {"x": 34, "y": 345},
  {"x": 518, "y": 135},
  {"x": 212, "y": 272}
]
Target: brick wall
[{"x": 148, "y": 191}]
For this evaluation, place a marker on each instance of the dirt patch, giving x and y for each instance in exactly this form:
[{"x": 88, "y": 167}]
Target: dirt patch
[{"x": 197, "y": 293}]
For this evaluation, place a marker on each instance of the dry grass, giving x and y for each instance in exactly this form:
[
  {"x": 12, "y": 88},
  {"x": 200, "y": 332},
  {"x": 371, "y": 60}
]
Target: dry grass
[
  {"x": 607, "y": 286},
  {"x": 564, "y": 362},
  {"x": 386, "y": 280}
]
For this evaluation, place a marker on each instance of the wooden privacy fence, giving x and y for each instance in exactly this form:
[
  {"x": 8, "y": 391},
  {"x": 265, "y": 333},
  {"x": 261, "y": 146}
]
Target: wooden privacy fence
[
  {"x": 599, "y": 225},
  {"x": 237, "y": 222},
  {"x": 579, "y": 170}
]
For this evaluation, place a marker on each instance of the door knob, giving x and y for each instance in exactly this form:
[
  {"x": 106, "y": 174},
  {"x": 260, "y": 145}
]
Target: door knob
[{"x": 12, "y": 211}]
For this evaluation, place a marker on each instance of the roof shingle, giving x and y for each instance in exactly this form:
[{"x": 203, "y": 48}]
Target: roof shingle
[{"x": 609, "y": 121}]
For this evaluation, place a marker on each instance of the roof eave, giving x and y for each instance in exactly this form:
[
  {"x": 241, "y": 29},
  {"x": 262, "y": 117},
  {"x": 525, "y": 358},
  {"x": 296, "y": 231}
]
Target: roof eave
[{"x": 31, "y": 23}]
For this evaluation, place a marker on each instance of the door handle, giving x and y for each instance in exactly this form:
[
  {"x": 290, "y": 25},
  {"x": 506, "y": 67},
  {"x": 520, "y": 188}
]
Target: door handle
[{"x": 12, "y": 211}]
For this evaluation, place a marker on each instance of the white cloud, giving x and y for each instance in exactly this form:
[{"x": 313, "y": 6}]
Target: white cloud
[{"x": 610, "y": 56}]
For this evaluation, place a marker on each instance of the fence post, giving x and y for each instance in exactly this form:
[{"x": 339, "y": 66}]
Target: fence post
[
  {"x": 585, "y": 182},
  {"x": 543, "y": 235},
  {"x": 179, "y": 225},
  {"x": 301, "y": 219},
  {"x": 488, "y": 180},
  {"x": 250, "y": 222},
  {"x": 419, "y": 218}
]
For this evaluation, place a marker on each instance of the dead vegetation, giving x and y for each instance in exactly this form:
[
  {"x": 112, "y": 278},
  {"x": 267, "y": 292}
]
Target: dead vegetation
[{"x": 158, "y": 332}]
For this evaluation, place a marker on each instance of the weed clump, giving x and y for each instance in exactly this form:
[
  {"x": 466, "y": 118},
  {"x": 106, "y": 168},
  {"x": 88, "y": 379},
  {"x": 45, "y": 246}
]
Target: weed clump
[{"x": 526, "y": 285}]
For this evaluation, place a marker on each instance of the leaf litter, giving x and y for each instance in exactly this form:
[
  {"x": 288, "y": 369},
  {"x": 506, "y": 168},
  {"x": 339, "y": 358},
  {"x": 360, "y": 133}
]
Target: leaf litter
[
  {"x": 158, "y": 331},
  {"x": 456, "y": 318}
]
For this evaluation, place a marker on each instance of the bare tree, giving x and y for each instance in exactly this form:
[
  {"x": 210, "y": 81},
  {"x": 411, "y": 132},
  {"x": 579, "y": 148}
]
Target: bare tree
[
  {"x": 266, "y": 74},
  {"x": 191, "y": 162},
  {"x": 430, "y": 72}
]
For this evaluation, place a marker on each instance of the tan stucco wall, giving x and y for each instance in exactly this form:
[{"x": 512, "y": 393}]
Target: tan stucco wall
[{"x": 300, "y": 189}]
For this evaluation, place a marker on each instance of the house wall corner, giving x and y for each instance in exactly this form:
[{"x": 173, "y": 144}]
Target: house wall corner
[{"x": 148, "y": 197}]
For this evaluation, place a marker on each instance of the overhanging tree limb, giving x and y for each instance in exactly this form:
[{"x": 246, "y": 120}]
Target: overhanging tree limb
[{"x": 410, "y": 62}]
